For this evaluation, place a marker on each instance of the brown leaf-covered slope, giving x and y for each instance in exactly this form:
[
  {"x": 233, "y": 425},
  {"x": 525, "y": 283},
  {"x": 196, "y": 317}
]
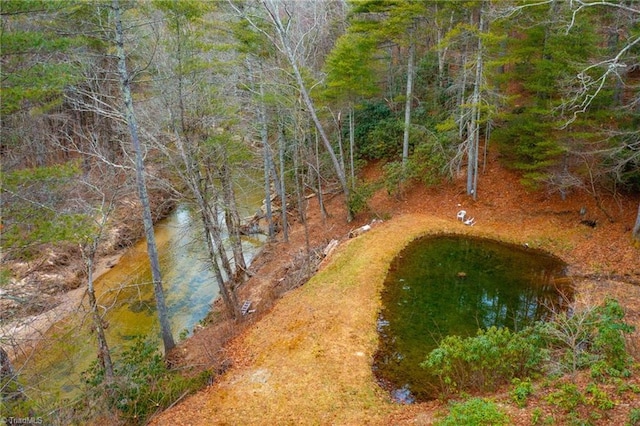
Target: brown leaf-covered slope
[{"x": 306, "y": 358}]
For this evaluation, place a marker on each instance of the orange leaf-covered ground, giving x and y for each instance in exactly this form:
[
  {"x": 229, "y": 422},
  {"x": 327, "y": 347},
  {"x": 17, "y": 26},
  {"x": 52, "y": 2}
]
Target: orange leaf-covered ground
[{"x": 306, "y": 358}]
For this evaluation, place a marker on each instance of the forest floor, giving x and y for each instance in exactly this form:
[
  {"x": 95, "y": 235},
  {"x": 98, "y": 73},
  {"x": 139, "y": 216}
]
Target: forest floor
[{"x": 305, "y": 357}]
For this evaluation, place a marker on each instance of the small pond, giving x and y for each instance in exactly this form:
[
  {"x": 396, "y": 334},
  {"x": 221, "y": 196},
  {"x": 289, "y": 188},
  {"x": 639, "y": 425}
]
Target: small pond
[{"x": 454, "y": 285}]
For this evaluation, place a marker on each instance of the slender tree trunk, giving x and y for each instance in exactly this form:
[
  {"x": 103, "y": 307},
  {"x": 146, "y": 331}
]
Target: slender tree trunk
[
  {"x": 474, "y": 124},
  {"x": 228, "y": 295},
  {"x": 266, "y": 157},
  {"x": 232, "y": 220},
  {"x": 206, "y": 196},
  {"x": 261, "y": 112},
  {"x": 283, "y": 194},
  {"x": 407, "y": 105},
  {"x": 152, "y": 250},
  {"x": 302, "y": 208},
  {"x": 352, "y": 144},
  {"x": 441, "y": 51},
  {"x": 88, "y": 252},
  {"x": 104, "y": 355},
  {"x": 461, "y": 99},
  {"x": 323, "y": 211},
  {"x": 216, "y": 234},
  {"x": 340, "y": 145},
  {"x": 268, "y": 174},
  {"x": 636, "y": 227},
  {"x": 288, "y": 50}
]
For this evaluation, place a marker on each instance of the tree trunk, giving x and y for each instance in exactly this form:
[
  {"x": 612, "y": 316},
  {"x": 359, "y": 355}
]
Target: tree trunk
[
  {"x": 352, "y": 144},
  {"x": 215, "y": 232},
  {"x": 407, "y": 105},
  {"x": 152, "y": 250},
  {"x": 288, "y": 50},
  {"x": 232, "y": 220},
  {"x": 283, "y": 194},
  {"x": 323, "y": 211},
  {"x": 302, "y": 208},
  {"x": 462, "y": 96},
  {"x": 206, "y": 195},
  {"x": 340, "y": 144},
  {"x": 636, "y": 227},
  {"x": 266, "y": 158},
  {"x": 209, "y": 216},
  {"x": 474, "y": 125},
  {"x": 7, "y": 377},
  {"x": 104, "y": 354},
  {"x": 228, "y": 295}
]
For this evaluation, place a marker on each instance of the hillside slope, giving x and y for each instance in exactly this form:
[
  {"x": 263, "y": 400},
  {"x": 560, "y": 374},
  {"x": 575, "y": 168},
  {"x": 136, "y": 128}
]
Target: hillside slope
[{"x": 306, "y": 358}]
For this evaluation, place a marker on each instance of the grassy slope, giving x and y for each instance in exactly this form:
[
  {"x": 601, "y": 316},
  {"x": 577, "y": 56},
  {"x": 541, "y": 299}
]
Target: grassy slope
[{"x": 309, "y": 360}]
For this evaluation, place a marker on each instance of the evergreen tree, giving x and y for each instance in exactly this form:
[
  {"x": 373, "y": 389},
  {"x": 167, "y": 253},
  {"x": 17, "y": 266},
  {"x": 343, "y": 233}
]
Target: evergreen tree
[
  {"x": 535, "y": 65},
  {"x": 350, "y": 77}
]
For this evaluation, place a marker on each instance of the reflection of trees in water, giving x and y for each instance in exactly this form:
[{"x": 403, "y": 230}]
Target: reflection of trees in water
[{"x": 452, "y": 285}]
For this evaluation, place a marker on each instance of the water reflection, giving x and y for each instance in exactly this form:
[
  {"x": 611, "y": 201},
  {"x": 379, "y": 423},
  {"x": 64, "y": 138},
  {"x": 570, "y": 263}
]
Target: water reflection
[
  {"x": 441, "y": 286},
  {"x": 126, "y": 293}
]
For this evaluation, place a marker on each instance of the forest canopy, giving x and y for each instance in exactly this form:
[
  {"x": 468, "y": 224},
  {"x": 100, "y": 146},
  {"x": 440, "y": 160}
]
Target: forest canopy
[{"x": 425, "y": 86}]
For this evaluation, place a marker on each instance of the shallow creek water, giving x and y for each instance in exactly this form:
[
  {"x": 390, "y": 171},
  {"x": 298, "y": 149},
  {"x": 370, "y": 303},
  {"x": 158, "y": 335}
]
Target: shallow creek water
[
  {"x": 126, "y": 293},
  {"x": 453, "y": 285}
]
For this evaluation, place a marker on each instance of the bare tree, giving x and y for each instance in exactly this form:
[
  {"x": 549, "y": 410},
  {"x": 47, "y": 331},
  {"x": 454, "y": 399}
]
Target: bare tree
[
  {"x": 636, "y": 227},
  {"x": 409, "y": 95},
  {"x": 89, "y": 250},
  {"x": 130, "y": 117},
  {"x": 473, "y": 129},
  {"x": 267, "y": 161},
  {"x": 283, "y": 42}
]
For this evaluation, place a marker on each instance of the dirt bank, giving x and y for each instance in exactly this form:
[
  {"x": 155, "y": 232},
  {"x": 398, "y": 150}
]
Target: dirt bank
[{"x": 46, "y": 289}]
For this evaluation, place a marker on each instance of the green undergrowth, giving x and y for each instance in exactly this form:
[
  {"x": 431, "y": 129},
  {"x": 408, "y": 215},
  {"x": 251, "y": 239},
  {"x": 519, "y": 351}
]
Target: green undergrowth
[
  {"x": 142, "y": 386},
  {"x": 541, "y": 362},
  {"x": 475, "y": 411}
]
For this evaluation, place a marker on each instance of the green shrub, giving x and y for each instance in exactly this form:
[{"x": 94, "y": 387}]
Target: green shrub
[
  {"x": 592, "y": 337},
  {"x": 634, "y": 417},
  {"x": 360, "y": 195},
  {"x": 384, "y": 141},
  {"x": 491, "y": 358},
  {"x": 476, "y": 412},
  {"x": 568, "y": 397},
  {"x": 394, "y": 175},
  {"x": 429, "y": 159},
  {"x": 609, "y": 341},
  {"x": 142, "y": 385},
  {"x": 598, "y": 398},
  {"x": 528, "y": 140},
  {"x": 367, "y": 116},
  {"x": 521, "y": 391}
]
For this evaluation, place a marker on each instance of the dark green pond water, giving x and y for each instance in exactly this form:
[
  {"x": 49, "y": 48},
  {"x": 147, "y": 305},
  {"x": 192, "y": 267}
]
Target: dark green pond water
[{"x": 453, "y": 285}]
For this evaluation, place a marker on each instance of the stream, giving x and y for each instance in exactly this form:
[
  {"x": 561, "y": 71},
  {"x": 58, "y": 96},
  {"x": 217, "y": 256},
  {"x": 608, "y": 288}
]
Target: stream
[{"x": 126, "y": 293}]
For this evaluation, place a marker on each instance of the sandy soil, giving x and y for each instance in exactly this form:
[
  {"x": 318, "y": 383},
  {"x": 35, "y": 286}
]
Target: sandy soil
[
  {"x": 21, "y": 335},
  {"x": 313, "y": 347}
]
